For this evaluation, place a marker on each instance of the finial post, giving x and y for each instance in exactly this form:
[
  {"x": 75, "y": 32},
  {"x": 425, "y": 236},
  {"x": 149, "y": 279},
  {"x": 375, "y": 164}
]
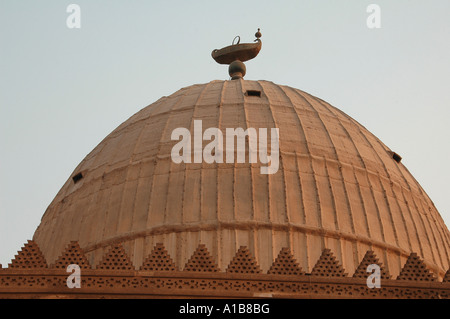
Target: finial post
[{"x": 237, "y": 70}]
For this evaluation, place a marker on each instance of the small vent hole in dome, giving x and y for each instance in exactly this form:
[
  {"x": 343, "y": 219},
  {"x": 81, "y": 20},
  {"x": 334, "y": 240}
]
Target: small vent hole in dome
[
  {"x": 396, "y": 157},
  {"x": 77, "y": 178},
  {"x": 253, "y": 93}
]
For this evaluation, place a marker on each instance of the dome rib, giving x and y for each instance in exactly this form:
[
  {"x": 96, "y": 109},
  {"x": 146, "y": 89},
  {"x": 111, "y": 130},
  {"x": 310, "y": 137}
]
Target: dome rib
[
  {"x": 302, "y": 138},
  {"x": 367, "y": 177},
  {"x": 388, "y": 206},
  {"x": 272, "y": 184},
  {"x": 347, "y": 210},
  {"x": 382, "y": 161},
  {"x": 309, "y": 259},
  {"x": 337, "y": 158},
  {"x": 252, "y": 245},
  {"x": 390, "y": 178},
  {"x": 217, "y": 198},
  {"x": 337, "y": 214},
  {"x": 364, "y": 134},
  {"x": 382, "y": 208}
]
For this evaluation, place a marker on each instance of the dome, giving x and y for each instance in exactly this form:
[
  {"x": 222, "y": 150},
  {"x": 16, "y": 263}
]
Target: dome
[{"x": 337, "y": 186}]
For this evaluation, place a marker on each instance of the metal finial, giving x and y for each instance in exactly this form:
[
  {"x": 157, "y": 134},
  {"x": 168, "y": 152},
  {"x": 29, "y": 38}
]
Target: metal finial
[
  {"x": 258, "y": 35},
  {"x": 236, "y": 54}
]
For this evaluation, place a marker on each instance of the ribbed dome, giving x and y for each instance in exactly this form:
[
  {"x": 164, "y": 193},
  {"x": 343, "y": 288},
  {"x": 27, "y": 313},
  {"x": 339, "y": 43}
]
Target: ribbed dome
[{"x": 337, "y": 187}]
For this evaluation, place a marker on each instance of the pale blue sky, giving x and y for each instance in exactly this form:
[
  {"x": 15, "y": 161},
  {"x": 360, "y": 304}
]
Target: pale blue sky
[{"x": 63, "y": 90}]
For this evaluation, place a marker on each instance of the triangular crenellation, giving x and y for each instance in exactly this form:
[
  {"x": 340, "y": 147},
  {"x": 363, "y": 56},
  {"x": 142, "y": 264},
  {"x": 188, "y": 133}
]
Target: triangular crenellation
[
  {"x": 285, "y": 264},
  {"x": 368, "y": 259},
  {"x": 158, "y": 260},
  {"x": 328, "y": 266},
  {"x": 447, "y": 276},
  {"x": 201, "y": 260},
  {"x": 116, "y": 259},
  {"x": 243, "y": 262},
  {"x": 73, "y": 254},
  {"x": 415, "y": 269},
  {"x": 30, "y": 256}
]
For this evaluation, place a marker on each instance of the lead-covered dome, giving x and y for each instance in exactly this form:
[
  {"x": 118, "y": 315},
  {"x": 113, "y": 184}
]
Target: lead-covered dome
[{"x": 337, "y": 187}]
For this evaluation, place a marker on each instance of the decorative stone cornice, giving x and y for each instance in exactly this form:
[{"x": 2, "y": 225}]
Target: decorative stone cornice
[{"x": 28, "y": 276}]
